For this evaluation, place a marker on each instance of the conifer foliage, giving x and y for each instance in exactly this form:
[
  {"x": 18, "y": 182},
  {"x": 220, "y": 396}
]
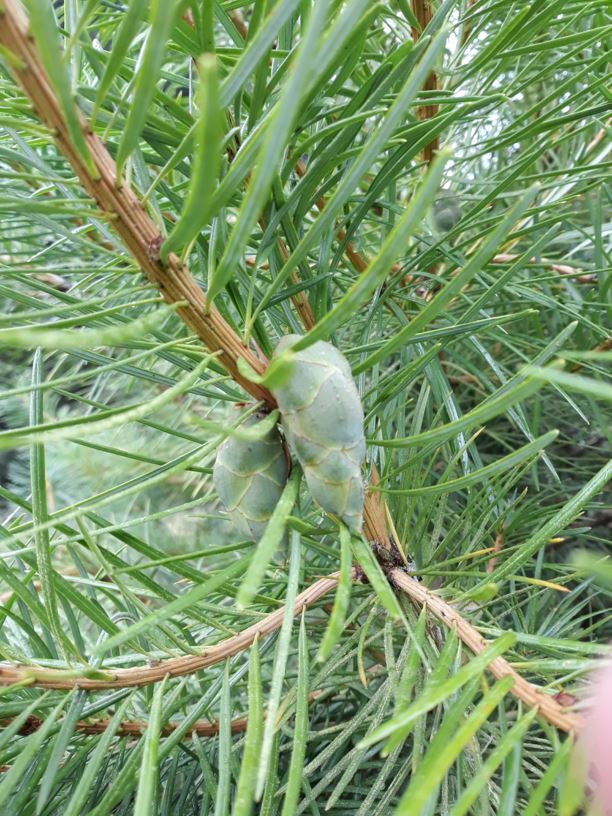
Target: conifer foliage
[{"x": 411, "y": 195}]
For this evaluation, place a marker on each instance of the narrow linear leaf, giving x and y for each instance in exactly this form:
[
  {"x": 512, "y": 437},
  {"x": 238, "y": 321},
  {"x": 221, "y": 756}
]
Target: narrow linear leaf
[
  {"x": 267, "y": 807},
  {"x": 98, "y": 757},
  {"x": 12, "y": 729},
  {"x": 95, "y": 423},
  {"x": 277, "y": 133},
  {"x": 277, "y": 371},
  {"x": 574, "y": 382},
  {"x": 58, "y": 339},
  {"x": 376, "y": 577},
  {"x": 270, "y": 541},
  {"x": 572, "y": 794},
  {"x": 442, "y": 753},
  {"x": 298, "y": 751},
  {"x": 597, "y": 566},
  {"x": 147, "y": 778},
  {"x": 487, "y": 410},
  {"x": 369, "y": 153},
  {"x": 132, "y": 18},
  {"x": 27, "y": 755},
  {"x": 367, "y": 283},
  {"x": 439, "y": 692},
  {"x": 559, "y": 520},
  {"x": 40, "y": 513},
  {"x": 331, "y": 50},
  {"x": 448, "y": 657},
  {"x": 335, "y": 625},
  {"x": 499, "y": 466},
  {"x": 280, "y": 665},
  {"x": 409, "y": 678},
  {"x": 43, "y": 26},
  {"x": 450, "y": 719},
  {"x": 510, "y": 778},
  {"x": 224, "y": 777},
  {"x": 484, "y": 254},
  {"x": 206, "y": 163},
  {"x": 257, "y": 50},
  {"x": 162, "y": 20},
  {"x": 185, "y": 601},
  {"x": 245, "y": 789},
  {"x": 549, "y": 777},
  {"x": 66, "y": 732},
  {"x": 476, "y": 784}
]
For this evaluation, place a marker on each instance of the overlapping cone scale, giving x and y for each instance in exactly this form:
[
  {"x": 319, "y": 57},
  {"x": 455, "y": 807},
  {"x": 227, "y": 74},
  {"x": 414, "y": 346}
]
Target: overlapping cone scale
[
  {"x": 322, "y": 418},
  {"x": 249, "y": 476}
]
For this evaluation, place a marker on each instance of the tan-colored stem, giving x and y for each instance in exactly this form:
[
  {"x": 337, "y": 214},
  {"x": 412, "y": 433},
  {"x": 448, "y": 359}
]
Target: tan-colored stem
[
  {"x": 135, "y": 728},
  {"x": 300, "y": 299},
  {"x": 561, "y": 269},
  {"x": 172, "y": 667},
  {"x": 528, "y": 693},
  {"x": 423, "y": 13}
]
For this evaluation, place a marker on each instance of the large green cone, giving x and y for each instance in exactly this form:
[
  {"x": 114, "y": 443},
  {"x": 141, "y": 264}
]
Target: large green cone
[
  {"x": 322, "y": 419},
  {"x": 249, "y": 477}
]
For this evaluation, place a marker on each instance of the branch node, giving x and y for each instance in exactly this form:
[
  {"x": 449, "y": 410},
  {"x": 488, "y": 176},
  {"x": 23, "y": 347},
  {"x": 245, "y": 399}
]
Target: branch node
[{"x": 154, "y": 247}]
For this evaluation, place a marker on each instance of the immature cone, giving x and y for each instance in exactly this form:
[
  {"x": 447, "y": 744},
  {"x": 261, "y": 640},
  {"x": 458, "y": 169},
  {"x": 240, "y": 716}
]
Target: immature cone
[
  {"x": 446, "y": 211},
  {"x": 249, "y": 476},
  {"x": 323, "y": 421}
]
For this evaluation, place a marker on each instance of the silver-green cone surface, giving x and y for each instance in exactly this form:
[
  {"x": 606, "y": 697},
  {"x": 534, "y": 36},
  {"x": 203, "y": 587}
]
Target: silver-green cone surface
[
  {"x": 249, "y": 476},
  {"x": 322, "y": 418}
]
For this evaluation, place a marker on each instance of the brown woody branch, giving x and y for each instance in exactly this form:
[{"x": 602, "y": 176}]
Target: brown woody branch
[
  {"x": 135, "y": 728},
  {"x": 422, "y": 12},
  {"x": 172, "y": 667},
  {"x": 132, "y": 728},
  {"x": 528, "y": 693}
]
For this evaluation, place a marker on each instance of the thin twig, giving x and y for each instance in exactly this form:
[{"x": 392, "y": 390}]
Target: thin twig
[
  {"x": 527, "y": 692},
  {"x": 135, "y": 728},
  {"x": 423, "y": 13},
  {"x": 497, "y": 548},
  {"x": 562, "y": 269},
  {"x": 173, "y": 667},
  {"x": 359, "y": 262},
  {"x": 131, "y": 728}
]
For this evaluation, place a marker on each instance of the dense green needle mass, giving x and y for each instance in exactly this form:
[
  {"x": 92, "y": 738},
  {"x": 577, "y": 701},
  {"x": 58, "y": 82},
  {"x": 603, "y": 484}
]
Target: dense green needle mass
[{"x": 421, "y": 189}]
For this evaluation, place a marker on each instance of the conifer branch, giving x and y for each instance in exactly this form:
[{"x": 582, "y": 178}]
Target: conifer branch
[
  {"x": 104, "y": 678},
  {"x": 528, "y": 693},
  {"x": 114, "y": 197}
]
